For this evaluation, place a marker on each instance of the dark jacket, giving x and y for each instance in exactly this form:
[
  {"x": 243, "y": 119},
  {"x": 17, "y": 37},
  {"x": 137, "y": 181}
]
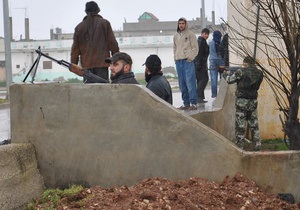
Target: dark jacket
[
  {"x": 201, "y": 58},
  {"x": 160, "y": 86},
  {"x": 127, "y": 78},
  {"x": 93, "y": 45},
  {"x": 224, "y": 50}
]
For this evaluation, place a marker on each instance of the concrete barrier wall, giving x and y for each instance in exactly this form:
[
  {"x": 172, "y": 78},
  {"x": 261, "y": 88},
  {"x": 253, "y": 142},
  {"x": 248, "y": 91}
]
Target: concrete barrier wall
[
  {"x": 101, "y": 134},
  {"x": 20, "y": 180},
  {"x": 222, "y": 118}
]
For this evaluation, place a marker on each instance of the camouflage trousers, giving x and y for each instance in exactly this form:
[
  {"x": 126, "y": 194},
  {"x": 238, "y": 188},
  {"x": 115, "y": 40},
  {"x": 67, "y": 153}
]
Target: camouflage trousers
[{"x": 246, "y": 113}]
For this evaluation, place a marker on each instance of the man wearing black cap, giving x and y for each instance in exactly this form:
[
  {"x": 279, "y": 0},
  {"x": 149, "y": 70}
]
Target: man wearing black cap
[
  {"x": 93, "y": 41},
  {"x": 156, "y": 82},
  {"x": 120, "y": 66}
]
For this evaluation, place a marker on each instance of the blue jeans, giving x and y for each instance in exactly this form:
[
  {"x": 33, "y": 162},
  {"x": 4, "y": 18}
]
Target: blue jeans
[
  {"x": 187, "y": 81},
  {"x": 213, "y": 66}
]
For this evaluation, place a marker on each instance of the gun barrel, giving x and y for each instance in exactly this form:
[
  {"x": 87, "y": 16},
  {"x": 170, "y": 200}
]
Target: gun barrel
[
  {"x": 232, "y": 68},
  {"x": 61, "y": 62}
]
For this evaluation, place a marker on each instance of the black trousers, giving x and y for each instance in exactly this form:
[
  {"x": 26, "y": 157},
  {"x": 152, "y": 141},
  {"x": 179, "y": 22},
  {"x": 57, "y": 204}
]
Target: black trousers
[{"x": 202, "y": 79}]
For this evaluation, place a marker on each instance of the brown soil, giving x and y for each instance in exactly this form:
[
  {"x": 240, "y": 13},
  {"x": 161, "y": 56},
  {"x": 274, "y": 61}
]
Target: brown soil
[{"x": 194, "y": 193}]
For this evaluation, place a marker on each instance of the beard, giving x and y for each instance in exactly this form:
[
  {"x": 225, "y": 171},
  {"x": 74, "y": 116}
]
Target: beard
[
  {"x": 112, "y": 77},
  {"x": 147, "y": 77}
]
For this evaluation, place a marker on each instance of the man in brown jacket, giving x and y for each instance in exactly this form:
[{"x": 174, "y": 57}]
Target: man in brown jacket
[{"x": 93, "y": 41}]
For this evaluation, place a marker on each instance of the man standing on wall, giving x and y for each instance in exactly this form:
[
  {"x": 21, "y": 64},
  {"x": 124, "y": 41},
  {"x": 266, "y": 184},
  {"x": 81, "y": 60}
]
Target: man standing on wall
[
  {"x": 93, "y": 41},
  {"x": 185, "y": 49},
  {"x": 224, "y": 51},
  {"x": 248, "y": 81},
  {"x": 215, "y": 61},
  {"x": 201, "y": 65}
]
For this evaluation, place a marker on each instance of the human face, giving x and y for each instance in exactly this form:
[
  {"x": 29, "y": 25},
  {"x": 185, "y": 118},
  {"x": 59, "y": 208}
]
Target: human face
[
  {"x": 205, "y": 35},
  {"x": 181, "y": 25},
  {"x": 117, "y": 68}
]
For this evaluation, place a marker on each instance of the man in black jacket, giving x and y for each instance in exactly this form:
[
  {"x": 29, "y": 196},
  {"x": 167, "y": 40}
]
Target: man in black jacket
[
  {"x": 156, "y": 82},
  {"x": 120, "y": 66},
  {"x": 201, "y": 65}
]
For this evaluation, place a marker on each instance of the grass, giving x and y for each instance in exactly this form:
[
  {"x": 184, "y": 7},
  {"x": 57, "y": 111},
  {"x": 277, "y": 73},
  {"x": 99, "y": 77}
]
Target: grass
[
  {"x": 52, "y": 197},
  {"x": 2, "y": 84},
  {"x": 2, "y": 101},
  {"x": 74, "y": 80},
  {"x": 276, "y": 144}
]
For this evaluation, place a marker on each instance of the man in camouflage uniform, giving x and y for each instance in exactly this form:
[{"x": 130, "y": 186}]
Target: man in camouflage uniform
[{"x": 248, "y": 81}]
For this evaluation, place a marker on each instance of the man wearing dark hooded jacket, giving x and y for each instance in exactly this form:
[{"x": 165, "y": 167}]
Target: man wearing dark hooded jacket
[
  {"x": 156, "y": 82},
  {"x": 93, "y": 42}
]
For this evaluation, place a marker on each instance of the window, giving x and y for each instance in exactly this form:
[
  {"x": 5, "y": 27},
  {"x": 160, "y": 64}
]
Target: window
[
  {"x": 144, "y": 40},
  {"x": 167, "y": 39},
  {"x": 132, "y": 40},
  {"x": 17, "y": 66},
  {"x": 47, "y": 64}
]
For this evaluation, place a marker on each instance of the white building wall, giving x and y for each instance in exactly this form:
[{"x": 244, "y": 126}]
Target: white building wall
[{"x": 139, "y": 48}]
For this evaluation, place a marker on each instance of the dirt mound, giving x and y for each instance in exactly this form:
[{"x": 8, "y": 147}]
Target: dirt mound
[{"x": 194, "y": 193}]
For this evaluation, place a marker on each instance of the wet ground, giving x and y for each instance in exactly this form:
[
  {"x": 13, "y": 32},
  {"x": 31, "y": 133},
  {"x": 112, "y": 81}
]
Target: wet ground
[
  {"x": 4, "y": 118},
  {"x": 5, "y": 132}
]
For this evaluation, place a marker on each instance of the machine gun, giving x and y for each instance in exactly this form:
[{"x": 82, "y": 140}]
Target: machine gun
[
  {"x": 230, "y": 69},
  {"x": 92, "y": 78}
]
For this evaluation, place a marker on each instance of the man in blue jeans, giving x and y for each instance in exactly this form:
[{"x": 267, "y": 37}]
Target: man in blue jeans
[
  {"x": 185, "y": 48},
  {"x": 215, "y": 61}
]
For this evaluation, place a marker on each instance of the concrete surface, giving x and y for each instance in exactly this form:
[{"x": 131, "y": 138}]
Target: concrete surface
[
  {"x": 5, "y": 110},
  {"x": 20, "y": 180},
  {"x": 108, "y": 135},
  {"x": 221, "y": 118}
]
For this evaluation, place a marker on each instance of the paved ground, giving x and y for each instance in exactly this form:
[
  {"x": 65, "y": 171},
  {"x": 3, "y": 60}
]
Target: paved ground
[{"x": 5, "y": 111}]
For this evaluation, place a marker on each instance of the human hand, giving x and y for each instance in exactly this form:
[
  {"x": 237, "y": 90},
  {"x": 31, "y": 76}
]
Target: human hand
[{"x": 76, "y": 69}]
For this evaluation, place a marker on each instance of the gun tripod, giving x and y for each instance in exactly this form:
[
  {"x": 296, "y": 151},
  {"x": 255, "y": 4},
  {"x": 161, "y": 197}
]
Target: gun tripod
[{"x": 34, "y": 66}]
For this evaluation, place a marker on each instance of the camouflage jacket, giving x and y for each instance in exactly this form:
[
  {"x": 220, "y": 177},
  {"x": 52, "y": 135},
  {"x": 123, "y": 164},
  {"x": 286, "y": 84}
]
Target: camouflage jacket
[{"x": 248, "y": 82}]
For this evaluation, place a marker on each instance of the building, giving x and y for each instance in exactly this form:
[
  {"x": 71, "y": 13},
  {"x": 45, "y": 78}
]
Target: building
[
  {"x": 148, "y": 25},
  {"x": 139, "y": 39}
]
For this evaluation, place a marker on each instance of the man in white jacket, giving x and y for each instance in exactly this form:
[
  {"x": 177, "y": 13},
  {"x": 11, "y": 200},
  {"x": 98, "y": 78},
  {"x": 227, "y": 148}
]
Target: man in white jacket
[{"x": 185, "y": 48}]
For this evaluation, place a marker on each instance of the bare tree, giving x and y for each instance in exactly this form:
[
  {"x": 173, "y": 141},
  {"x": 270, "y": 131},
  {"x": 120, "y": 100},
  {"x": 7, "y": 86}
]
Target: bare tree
[{"x": 276, "y": 24}]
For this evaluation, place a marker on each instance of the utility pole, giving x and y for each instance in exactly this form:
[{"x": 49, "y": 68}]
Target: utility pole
[
  {"x": 7, "y": 37},
  {"x": 26, "y": 22},
  {"x": 256, "y": 32},
  {"x": 203, "y": 20}
]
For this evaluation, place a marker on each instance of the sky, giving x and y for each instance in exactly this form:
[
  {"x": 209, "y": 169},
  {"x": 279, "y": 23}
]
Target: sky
[{"x": 66, "y": 14}]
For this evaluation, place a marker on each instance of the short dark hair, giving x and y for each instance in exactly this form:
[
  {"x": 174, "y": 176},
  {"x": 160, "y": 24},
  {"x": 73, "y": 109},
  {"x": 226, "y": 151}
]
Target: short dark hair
[
  {"x": 182, "y": 19},
  {"x": 205, "y": 30}
]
